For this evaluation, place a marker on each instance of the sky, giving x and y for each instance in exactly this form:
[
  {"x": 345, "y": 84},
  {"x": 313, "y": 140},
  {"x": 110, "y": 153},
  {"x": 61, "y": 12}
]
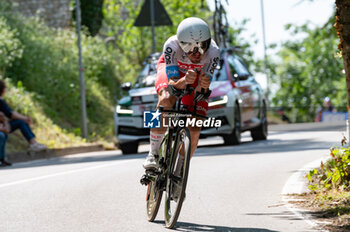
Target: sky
[{"x": 277, "y": 14}]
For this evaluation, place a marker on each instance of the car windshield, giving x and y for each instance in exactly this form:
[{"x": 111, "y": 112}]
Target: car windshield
[
  {"x": 220, "y": 72},
  {"x": 147, "y": 76}
]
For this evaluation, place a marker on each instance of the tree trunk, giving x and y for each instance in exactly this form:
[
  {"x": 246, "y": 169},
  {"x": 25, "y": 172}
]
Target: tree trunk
[{"x": 342, "y": 24}]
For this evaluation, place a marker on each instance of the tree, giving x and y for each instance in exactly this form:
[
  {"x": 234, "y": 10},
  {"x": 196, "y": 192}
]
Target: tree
[
  {"x": 342, "y": 24},
  {"x": 91, "y": 15},
  {"x": 133, "y": 44},
  {"x": 308, "y": 70}
]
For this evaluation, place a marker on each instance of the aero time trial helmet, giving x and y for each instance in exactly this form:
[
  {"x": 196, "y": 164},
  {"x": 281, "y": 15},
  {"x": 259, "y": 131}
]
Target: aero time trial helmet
[{"x": 193, "y": 35}]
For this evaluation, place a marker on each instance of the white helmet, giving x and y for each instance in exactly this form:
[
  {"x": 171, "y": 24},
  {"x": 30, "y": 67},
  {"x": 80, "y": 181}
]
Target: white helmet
[{"x": 193, "y": 35}]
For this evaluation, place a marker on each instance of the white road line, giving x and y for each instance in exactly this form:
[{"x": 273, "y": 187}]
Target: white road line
[
  {"x": 296, "y": 182},
  {"x": 296, "y": 185},
  {"x": 63, "y": 173}
]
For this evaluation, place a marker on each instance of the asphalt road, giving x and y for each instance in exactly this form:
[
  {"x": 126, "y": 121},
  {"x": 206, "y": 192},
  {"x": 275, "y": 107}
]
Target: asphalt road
[{"x": 230, "y": 188}]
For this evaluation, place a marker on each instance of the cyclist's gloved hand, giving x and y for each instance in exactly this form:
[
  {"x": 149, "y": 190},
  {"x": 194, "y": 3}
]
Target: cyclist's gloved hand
[
  {"x": 204, "y": 80},
  {"x": 190, "y": 77}
]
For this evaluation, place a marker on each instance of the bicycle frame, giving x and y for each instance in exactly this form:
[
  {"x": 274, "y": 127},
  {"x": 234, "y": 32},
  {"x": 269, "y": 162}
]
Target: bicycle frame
[
  {"x": 172, "y": 131},
  {"x": 163, "y": 178},
  {"x": 170, "y": 134}
]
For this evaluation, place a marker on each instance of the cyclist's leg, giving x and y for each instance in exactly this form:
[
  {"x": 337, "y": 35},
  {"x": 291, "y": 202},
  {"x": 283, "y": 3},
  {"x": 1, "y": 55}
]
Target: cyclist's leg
[
  {"x": 202, "y": 108},
  {"x": 195, "y": 132},
  {"x": 157, "y": 134},
  {"x": 167, "y": 101}
]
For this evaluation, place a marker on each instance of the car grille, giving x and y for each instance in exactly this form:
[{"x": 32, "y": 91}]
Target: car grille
[{"x": 129, "y": 130}]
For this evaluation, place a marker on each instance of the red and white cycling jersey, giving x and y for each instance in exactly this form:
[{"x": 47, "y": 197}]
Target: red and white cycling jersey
[
  {"x": 174, "y": 64},
  {"x": 177, "y": 63}
]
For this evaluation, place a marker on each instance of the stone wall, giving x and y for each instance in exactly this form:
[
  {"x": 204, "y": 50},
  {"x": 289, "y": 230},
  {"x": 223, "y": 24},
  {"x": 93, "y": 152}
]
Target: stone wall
[{"x": 54, "y": 12}]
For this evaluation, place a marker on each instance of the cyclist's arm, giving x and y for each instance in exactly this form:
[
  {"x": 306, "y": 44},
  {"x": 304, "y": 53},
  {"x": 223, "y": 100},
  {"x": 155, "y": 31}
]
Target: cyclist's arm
[
  {"x": 207, "y": 71},
  {"x": 172, "y": 72},
  {"x": 188, "y": 79},
  {"x": 204, "y": 82},
  {"x": 178, "y": 83},
  {"x": 172, "y": 69},
  {"x": 174, "y": 79}
]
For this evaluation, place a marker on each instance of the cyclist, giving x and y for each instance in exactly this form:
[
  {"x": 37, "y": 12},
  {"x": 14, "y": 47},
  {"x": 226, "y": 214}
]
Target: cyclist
[{"x": 189, "y": 58}]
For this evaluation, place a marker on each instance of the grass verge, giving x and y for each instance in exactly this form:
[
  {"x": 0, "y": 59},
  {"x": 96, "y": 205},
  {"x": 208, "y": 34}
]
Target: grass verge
[{"x": 330, "y": 209}]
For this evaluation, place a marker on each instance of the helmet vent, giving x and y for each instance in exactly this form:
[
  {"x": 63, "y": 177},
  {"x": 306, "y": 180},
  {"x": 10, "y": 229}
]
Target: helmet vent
[{"x": 196, "y": 39}]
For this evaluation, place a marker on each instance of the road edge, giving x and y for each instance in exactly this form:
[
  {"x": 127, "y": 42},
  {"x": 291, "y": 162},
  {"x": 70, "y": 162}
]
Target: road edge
[
  {"x": 296, "y": 184},
  {"x": 24, "y": 156}
]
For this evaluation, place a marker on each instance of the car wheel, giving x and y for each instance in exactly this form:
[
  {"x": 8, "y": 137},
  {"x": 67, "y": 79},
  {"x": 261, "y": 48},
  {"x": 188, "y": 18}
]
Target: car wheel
[
  {"x": 260, "y": 133},
  {"x": 129, "y": 148},
  {"x": 235, "y": 137}
]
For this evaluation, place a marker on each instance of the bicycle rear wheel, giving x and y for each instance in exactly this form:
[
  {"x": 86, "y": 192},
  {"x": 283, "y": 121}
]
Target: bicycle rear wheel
[
  {"x": 155, "y": 187},
  {"x": 176, "y": 185},
  {"x": 153, "y": 199}
]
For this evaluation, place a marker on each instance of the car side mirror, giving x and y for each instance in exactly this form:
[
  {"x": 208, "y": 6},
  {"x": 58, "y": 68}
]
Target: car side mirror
[
  {"x": 237, "y": 77},
  {"x": 243, "y": 77},
  {"x": 126, "y": 86}
]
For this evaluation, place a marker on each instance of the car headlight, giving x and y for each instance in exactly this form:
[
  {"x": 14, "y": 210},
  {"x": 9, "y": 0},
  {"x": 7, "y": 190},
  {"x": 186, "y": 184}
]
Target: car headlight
[
  {"x": 218, "y": 101},
  {"x": 123, "y": 110}
]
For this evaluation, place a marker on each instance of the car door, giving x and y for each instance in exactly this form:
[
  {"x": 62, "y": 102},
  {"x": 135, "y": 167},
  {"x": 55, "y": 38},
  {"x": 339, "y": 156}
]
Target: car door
[
  {"x": 256, "y": 94},
  {"x": 242, "y": 80}
]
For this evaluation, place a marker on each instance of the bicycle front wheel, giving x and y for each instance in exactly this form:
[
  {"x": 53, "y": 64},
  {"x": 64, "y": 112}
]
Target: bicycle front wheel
[{"x": 177, "y": 178}]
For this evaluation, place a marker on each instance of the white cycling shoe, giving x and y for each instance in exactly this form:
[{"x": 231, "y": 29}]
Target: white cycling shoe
[{"x": 150, "y": 162}]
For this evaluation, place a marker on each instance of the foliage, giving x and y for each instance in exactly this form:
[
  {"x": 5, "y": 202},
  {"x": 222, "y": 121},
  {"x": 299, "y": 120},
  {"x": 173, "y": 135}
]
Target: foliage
[
  {"x": 45, "y": 68},
  {"x": 91, "y": 15},
  {"x": 10, "y": 46},
  {"x": 48, "y": 68},
  {"x": 334, "y": 174},
  {"x": 235, "y": 39},
  {"x": 44, "y": 128},
  {"x": 133, "y": 44},
  {"x": 308, "y": 70}
]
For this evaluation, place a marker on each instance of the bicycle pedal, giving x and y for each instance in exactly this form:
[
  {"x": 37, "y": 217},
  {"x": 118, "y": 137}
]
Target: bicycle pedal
[{"x": 144, "y": 180}]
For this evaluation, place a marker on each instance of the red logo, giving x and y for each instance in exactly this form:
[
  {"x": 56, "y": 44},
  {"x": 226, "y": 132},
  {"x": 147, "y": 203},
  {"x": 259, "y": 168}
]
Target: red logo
[{"x": 189, "y": 66}]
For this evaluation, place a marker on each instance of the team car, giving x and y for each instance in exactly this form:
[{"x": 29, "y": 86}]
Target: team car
[{"x": 236, "y": 99}]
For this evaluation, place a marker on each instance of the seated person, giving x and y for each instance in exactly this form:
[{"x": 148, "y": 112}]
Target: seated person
[
  {"x": 4, "y": 130},
  {"x": 19, "y": 121},
  {"x": 280, "y": 112}
]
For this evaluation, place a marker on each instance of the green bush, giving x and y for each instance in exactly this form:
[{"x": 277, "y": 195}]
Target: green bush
[
  {"x": 334, "y": 174},
  {"x": 10, "y": 46},
  {"x": 46, "y": 65},
  {"x": 91, "y": 15},
  {"x": 46, "y": 131}
]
